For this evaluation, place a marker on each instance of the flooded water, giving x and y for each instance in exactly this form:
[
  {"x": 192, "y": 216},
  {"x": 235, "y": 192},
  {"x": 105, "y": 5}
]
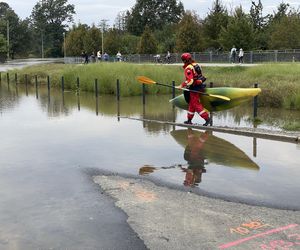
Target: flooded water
[{"x": 48, "y": 143}]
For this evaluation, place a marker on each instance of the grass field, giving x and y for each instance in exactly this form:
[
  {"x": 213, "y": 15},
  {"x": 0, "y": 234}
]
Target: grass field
[{"x": 280, "y": 83}]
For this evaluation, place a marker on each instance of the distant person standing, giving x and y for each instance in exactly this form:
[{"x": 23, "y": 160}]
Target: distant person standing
[
  {"x": 85, "y": 57},
  {"x": 98, "y": 55},
  {"x": 105, "y": 57},
  {"x": 233, "y": 54},
  {"x": 241, "y": 56},
  {"x": 93, "y": 57},
  {"x": 119, "y": 56},
  {"x": 168, "y": 57}
]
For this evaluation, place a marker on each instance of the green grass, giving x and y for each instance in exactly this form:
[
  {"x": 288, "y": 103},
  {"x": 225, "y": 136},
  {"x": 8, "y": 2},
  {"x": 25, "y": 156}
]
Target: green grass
[{"x": 280, "y": 83}]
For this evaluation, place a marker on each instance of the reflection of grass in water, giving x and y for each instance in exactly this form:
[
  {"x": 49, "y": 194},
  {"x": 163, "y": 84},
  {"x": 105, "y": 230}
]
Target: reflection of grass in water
[
  {"x": 292, "y": 125},
  {"x": 255, "y": 121},
  {"x": 280, "y": 83}
]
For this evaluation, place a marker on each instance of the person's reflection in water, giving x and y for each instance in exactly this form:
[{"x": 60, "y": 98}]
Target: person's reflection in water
[
  {"x": 148, "y": 169},
  {"x": 193, "y": 155},
  {"x": 195, "y": 158}
]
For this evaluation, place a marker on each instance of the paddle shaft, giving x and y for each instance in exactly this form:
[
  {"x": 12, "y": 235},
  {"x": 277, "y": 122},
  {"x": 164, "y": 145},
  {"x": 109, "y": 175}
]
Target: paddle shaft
[{"x": 195, "y": 91}]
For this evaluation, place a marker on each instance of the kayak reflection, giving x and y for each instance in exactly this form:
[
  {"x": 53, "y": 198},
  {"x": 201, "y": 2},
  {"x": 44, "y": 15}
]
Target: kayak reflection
[
  {"x": 202, "y": 148},
  {"x": 215, "y": 149}
]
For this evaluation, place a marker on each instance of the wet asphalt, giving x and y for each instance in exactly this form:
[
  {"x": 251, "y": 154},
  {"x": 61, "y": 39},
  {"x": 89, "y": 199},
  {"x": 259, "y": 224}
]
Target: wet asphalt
[{"x": 97, "y": 210}]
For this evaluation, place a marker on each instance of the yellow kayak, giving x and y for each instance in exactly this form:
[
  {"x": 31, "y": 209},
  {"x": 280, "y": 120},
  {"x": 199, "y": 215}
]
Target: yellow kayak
[
  {"x": 236, "y": 95},
  {"x": 214, "y": 149}
]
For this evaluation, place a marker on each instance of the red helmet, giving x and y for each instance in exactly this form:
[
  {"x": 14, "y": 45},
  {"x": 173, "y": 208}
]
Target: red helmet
[{"x": 186, "y": 57}]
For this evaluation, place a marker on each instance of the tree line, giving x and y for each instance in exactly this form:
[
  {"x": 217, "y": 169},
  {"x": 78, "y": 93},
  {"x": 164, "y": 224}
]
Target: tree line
[{"x": 149, "y": 27}]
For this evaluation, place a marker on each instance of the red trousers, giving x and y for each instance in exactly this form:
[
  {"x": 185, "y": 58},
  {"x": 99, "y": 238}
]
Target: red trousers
[{"x": 196, "y": 106}]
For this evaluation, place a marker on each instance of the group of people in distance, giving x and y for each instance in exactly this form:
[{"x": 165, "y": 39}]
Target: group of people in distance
[
  {"x": 233, "y": 54},
  {"x": 99, "y": 57}
]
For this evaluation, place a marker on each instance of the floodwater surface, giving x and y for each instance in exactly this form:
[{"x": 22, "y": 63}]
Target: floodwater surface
[{"x": 48, "y": 144}]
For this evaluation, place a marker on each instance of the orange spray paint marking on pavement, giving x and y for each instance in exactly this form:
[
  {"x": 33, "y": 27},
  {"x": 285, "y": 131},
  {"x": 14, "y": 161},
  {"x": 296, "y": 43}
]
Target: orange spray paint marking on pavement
[
  {"x": 140, "y": 193},
  {"x": 145, "y": 195},
  {"x": 124, "y": 184},
  {"x": 249, "y": 227},
  {"x": 272, "y": 231}
]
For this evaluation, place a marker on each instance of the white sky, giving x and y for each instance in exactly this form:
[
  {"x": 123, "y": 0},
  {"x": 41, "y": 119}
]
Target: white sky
[{"x": 92, "y": 11}]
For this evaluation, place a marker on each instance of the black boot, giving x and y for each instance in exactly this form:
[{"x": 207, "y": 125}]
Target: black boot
[
  {"x": 207, "y": 122},
  {"x": 188, "y": 122}
]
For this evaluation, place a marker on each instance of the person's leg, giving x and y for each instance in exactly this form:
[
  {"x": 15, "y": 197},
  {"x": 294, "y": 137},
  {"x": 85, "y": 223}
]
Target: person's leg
[
  {"x": 201, "y": 111},
  {"x": 190, "y": 114}
]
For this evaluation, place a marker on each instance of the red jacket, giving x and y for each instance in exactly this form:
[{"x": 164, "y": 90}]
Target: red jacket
[{"x": 190, "y": 76}]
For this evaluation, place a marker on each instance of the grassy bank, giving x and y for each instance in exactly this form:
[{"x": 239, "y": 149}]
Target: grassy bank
[{"x": 280, "y": 83}]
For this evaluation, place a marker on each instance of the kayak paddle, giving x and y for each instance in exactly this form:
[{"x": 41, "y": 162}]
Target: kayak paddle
[{"x": 146, "y": 80}]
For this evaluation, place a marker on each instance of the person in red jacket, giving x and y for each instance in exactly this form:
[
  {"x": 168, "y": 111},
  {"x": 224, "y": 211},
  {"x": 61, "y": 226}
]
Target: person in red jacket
[
  {"x": 195, "y": 158},
  {"x": 194, "y": 80}
]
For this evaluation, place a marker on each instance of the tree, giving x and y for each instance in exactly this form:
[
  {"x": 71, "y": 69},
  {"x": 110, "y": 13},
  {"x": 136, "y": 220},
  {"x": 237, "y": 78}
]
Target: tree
[
  {"x": 75, "y": 40},
  {"x": 19, "y": 32},
  {"x": 282, "y": 11},
  {"x": 113, "y": 41},
  {"x": 92, "y": 40},
  {"x": 120, "y": 21},
  {"x": 130, "y": 44},
  {"x": 50, "y": 18},
  {"x": 83, "y": 38},
  {"x": 154, "y": 14},
  {"x": 166, "y": 38},
  {"x": 2, "y": 48},
  {"x": 239, "y": 32},
  {"x": 260, "y": 25},
  {"x": 285, "y": 32},
  {"x": 148, "y": 44},
  {"x": 213, "y": 23},
  {"x": 189, "y": 37}
]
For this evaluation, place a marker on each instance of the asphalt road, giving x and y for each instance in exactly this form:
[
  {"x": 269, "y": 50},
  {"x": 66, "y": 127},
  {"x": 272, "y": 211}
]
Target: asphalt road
[{"x": 166, "y": 218}]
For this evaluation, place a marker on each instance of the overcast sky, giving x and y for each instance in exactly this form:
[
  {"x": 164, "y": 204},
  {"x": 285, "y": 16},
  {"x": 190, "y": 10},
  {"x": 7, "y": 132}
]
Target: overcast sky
[{"x": 92, "y": 11}]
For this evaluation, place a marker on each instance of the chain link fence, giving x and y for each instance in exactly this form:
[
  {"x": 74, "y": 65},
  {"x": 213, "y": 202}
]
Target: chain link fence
[{"x": 250, "y": 57}]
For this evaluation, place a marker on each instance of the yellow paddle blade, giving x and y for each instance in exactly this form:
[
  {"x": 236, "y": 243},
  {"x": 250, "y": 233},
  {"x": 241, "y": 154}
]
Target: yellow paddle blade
[
  {"x": 220, "y": 97},
  {"x": 144, "y": 79}
]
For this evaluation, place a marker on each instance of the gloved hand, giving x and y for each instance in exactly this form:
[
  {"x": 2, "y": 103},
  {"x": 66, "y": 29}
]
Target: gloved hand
[
  {"x": 183, "y": 85},
  {"x": 189, "y": 84},
  {"x": 202, "y": 78}
]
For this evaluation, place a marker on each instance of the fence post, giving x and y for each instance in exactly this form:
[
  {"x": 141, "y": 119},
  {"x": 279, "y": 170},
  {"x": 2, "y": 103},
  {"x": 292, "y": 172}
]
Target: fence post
[
  {"x": 48, "y": 83},
  {"x": 62, "y": 84},
  {"x": 78, "y": 85},
  {"x": 255, "y": 102},
  {"x": 173, "y": 89},
  {"x": 26, "y": 83},
  {"x": 96, "y": 90},
  {"x": 211, "y": 85},
  {"x": 36, "y": 87},
  {"x": 0, "y": 78},
  {"x": 276, "y": 55},
  {"x": 78, "y": 98},
  {"x": 144, "y": 97},
  {"x": 118, "y": 90},
  {"x": 96, "y": 87},
  {"x": 16, "y": 78},
  {"x": 7, "y": 78}
]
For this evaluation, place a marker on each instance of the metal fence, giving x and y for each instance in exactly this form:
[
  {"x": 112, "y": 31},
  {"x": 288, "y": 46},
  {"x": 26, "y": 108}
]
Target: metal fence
[{"x": 206, "y": 57}]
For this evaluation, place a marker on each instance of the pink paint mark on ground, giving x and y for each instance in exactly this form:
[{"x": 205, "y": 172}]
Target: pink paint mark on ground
[{"x": 276, "y": 230}]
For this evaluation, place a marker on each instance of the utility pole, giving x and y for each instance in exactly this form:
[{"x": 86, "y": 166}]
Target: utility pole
[
  {"x": 65, "y": 54},
  {"x": 8, "y": 49},
  {"x": 103, "y": 26},
  {"x": 42, "y": 44}
]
